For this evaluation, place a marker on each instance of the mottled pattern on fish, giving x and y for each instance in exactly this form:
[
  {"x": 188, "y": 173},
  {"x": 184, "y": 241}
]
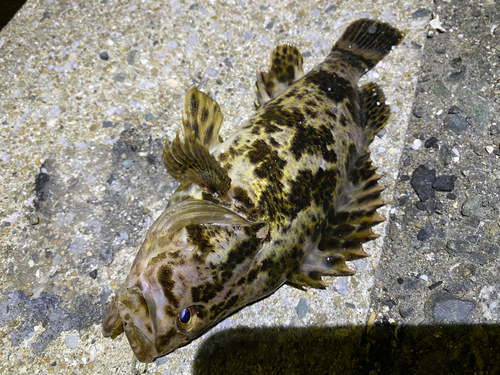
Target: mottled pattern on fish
[{"x": 288, "y": 198}]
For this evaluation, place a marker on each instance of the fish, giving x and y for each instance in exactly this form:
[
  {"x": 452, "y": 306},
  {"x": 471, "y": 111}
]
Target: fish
[{"x": 288, "y": 198}]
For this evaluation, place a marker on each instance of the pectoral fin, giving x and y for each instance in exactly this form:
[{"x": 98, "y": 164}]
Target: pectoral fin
[
  {"x": 191, "y": 162},
  {"x": 192, "y": 211}
]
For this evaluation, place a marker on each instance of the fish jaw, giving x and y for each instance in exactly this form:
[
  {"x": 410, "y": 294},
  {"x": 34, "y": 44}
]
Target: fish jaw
[{"x": 129, "y": 313}]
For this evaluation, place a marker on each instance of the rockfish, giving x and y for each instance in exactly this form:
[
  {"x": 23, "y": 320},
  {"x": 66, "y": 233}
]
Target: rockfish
[{"x": 288, "y": 198}]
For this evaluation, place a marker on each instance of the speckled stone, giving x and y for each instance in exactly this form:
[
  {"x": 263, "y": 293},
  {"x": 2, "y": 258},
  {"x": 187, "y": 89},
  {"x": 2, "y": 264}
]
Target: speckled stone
[
  {"x": 470, "y": 206},
  {"x": 422, "y": 180},
  {"x": 443, "y": 286},
  {"x": 444, "y": 183},
  {"x": 302, "y": 309},
  {"x": 456, "y": 123},
  {"x": 81, "y": 136},
  {"x": 71, "y": 341},
  {"x": 453, "y": 311}
]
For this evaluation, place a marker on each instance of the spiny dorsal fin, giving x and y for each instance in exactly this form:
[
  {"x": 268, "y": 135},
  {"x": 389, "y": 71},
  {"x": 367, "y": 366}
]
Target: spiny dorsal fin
[
  {"x": 286, "y": 68},
  {"x": 374, "y": 110},
  {"x": 201, "y": 117},
  {"x": 345, "y": 229},
  {"x": 369, "y": 40},
  {"x": 191, "y": 161}
]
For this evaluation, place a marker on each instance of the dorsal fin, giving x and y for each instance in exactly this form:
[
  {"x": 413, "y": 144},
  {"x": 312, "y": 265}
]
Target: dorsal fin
[
  {"x": 346, "y": 228},
  {"x": 202, "y": 117},
  {"x": 191, "y": 161},
  {"x": 286, "y": 68},
  {"x": 374, "y": 110}
]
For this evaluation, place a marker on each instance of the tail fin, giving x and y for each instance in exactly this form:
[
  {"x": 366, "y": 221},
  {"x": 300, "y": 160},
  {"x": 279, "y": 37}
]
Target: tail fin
[{"x": 369, "y": 40}]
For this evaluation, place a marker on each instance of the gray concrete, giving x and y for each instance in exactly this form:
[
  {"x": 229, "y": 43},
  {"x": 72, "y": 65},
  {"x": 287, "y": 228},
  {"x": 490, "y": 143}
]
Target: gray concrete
[{"x": 89, "y": 92}]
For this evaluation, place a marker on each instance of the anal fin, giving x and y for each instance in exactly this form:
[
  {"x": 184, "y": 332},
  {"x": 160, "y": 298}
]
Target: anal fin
[{"x": 286, "y": 68}]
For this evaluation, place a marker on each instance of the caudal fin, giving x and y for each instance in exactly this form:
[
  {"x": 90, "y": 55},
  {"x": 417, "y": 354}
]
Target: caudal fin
[{"x": 369, "y": 40}]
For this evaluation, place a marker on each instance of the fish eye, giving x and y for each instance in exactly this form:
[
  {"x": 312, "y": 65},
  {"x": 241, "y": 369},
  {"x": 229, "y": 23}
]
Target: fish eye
[
  {"x": 187, "y": 318},
  {"x": 184, "y": 316}
]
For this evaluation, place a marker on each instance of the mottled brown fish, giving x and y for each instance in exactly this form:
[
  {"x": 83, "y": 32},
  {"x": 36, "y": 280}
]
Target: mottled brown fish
[{"x": 288, "y": 198}]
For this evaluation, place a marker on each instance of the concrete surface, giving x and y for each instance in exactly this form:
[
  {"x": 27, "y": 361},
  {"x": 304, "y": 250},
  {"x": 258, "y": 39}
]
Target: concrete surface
[{"x": 90, "y": 90}]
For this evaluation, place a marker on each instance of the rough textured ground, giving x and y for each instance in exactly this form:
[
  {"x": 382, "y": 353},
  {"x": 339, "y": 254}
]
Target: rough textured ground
[{"x": 90, "y": 90}]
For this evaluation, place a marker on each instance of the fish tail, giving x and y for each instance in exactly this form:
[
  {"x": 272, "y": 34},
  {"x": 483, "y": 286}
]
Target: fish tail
[{"x": 368, "y": 40}]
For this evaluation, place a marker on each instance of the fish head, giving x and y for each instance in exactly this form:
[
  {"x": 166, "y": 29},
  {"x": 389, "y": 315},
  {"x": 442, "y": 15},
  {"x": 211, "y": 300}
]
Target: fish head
[
  {"x": 154, "y": 307},
  {"x": 181, "y": 282}
]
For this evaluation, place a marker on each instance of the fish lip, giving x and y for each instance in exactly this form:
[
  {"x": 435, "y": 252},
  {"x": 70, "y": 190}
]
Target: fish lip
[{"x": 112, "y": 324}]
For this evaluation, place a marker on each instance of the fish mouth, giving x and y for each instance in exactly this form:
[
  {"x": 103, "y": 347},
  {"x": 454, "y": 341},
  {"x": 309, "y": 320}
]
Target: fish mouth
[
  {"x": 112, "y": 324},
  {"x": 122, "y": 316}
]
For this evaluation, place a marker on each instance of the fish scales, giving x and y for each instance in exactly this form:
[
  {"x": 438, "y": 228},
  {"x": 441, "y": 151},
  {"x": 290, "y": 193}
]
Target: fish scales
[{"x": 289, "y": 197}]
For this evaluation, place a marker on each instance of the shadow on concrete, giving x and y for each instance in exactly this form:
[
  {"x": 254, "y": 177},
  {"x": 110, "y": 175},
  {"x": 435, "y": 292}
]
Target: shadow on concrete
[{"x": 429, "y": 350}]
